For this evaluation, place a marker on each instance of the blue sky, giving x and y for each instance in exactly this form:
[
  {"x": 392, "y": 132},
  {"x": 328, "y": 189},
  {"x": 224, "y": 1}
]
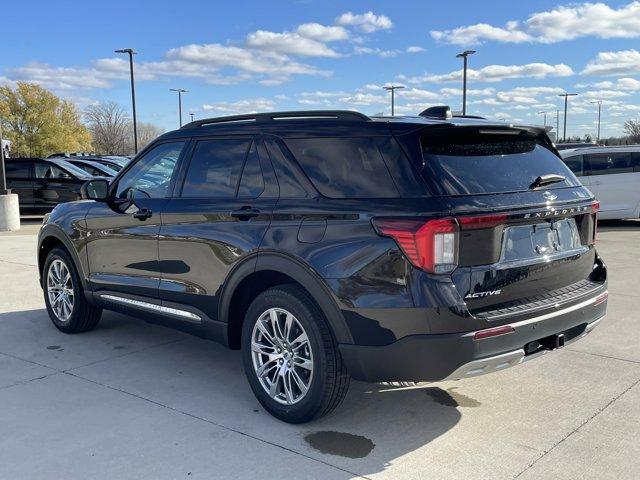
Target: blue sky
[{"x": 243, "y": 56}]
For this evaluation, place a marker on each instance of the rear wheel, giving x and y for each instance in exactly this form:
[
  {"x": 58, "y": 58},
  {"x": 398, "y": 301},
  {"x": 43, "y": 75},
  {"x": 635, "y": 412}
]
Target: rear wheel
[
  {"x": 290, "y": 357},
  {"x": 64, "y": 297}
]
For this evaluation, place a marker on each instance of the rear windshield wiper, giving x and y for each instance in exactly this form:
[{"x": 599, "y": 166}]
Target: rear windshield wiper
[{"x": 547, "y": 179}]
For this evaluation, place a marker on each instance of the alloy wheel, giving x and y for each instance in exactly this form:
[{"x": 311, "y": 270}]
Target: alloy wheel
[
  {"x": 60, "y": 290},
  {"x": 282, "y": 356}
]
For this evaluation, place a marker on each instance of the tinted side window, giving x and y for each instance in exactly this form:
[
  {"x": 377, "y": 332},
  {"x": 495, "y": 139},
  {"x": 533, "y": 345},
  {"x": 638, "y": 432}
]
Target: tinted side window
[
  {"x": 635, "y": 160},
  {"x": 17, "y": 169},
  {"x": 47, "y": 170},
  {"x": 609, "y": 163},
  {"x": 575, "y": 164},
  {"x": 252, "y": 181},
  {"x": 215, "y": 168},
  {"x": 151, "y": 175},
  {"x": 344, "y": 167}
]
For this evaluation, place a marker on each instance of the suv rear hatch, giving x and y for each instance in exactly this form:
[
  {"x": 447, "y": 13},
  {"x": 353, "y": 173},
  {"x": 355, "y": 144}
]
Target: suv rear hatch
[{"x": 526, "y": 226}]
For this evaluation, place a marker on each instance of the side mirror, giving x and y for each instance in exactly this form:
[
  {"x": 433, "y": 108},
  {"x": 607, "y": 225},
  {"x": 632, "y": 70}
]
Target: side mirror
[{"x": 95, "y": 190}]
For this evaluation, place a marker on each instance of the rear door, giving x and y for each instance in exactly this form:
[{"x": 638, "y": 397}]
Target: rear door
[
  {"x": 19, "y": 175},
  {"x": 518, "y": 241},
  {"x": 614, "y": 182},
  {"x": 217, "y": 220}
]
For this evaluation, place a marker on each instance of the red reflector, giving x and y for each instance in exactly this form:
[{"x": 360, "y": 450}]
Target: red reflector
[
  {"x": 493, "y": 332},
  {"x": 481, "y": 221},
  {"x": 601, "y": 298},
  {"x": 596, "y": 205}
]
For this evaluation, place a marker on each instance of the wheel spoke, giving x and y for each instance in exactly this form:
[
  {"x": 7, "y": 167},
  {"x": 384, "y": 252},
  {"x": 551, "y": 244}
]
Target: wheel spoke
[
  {"x": 265, "y": 367},
  {"x": 299, "y": 382},
  {"x": 265, "y": 333},
  {"x": 275, "y": 324},
  {"x": 301, "y": 339},
  {"x": 303, "y": 363},
  {"x": 286, "y": 383},
  {"x": 288, "y": 325},
  {"x": 60, "y": 290},
  {"x": 263, "y": 349}
]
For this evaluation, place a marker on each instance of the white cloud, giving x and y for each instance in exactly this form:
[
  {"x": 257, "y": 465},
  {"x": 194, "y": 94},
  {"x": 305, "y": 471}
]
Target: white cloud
[
  {"x": 614, "y": 63},
  {"x": 367, "y": 22},
  {"x": 241, "y": 106},
  {"x": 475, "y": 34},
  {"x": 59, "y": 78},
  {"x": 562, "y": 23},
  {"x": 476, "y": 92},
  {"x": 497, "y": 73},
  {"x": 415, "y": 49},
  {"x": 418, "y": 94},
  {"x": 365, "y": 99},
  {"x": 375, "y": 51},
  {"x": 289, "y": 43},
  {"x": 323, "y": 33}
]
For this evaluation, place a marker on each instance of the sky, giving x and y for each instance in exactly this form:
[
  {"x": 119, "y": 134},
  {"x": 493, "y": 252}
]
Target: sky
[{"x": 246, "y": 56}]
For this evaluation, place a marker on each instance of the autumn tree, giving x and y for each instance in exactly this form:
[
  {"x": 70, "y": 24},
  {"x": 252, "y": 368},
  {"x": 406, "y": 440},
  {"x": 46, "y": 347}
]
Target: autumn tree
[
  {"x": 39, "y": 123},
  {"x": 632, "y": 129},
  {"x": 110, "y": 128},
  {"x": 147, "y": 132}
]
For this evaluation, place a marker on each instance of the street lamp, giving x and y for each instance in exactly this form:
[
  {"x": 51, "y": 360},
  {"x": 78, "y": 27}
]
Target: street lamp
[
  {"x": 392, "y": 89},
  {"x": 545, "y": 117},
  {"x": 191, "y": 116},
  {"x": 133, "y": 96},
  {"x": 599, "y": 102},
  {"x": 464, "y": 56},
  {"x": 3, "y": 178},
  {"x": 566, "y": 96},
  {"x": 180, "y": 92}
]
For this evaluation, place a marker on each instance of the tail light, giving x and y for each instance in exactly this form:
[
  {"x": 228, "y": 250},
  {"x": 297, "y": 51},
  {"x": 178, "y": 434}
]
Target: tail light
[{"x": 430, "y": 245}]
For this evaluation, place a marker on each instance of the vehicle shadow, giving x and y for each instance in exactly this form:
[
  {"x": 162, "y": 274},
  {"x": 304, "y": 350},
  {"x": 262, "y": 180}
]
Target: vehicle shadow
[
  {"x": 618, "y": 225},
  {"x": 376, "y": 424}
]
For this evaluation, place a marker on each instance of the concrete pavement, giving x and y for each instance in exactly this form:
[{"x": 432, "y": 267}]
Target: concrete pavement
[{"x": 133, "y": 400}]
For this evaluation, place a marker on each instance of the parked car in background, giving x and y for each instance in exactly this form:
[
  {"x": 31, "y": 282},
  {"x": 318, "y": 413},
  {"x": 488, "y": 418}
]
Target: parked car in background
[
  {"x": 41, "y": 184},
  {"x": 612, "y": 174},
  {"x": 567, "y": 146},
  {"x": 331, "y": 245},
  {"x": 92, "y": 167}
]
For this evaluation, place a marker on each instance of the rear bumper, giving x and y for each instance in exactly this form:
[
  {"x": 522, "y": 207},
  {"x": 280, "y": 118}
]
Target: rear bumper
[{"x": 460, "y": 355}]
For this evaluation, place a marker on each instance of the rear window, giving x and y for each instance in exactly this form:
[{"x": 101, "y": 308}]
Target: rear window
[
  {"x": 344, "y": 167},
  {"x": 479, "y": 164}
]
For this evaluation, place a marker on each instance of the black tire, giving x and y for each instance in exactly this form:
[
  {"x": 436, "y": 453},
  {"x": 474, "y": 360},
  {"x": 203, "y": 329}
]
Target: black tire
[
  {"x": 84, "y": 316},
  {"x": 330, "y": 381}
]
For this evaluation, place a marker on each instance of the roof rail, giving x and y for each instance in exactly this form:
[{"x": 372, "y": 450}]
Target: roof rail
[{"x": 274, "y": 116}]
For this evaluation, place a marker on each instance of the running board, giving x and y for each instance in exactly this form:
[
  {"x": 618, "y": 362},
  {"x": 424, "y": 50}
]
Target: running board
[{"x": 153, "y": 307}]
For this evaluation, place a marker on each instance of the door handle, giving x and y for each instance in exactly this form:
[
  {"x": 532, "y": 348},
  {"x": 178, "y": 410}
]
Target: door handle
[
  {"x": 143, "y": 214},
  {"x": 245, "y": 213}
]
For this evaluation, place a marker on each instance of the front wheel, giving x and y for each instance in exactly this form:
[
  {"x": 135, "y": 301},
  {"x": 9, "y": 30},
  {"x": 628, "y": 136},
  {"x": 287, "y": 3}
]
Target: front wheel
[
  {"x": 64, "y": 297},
  {"x": 290, "y": 357}
]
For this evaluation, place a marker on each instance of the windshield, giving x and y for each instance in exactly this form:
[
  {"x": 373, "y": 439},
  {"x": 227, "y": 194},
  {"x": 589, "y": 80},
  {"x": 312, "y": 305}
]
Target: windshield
[
  {"x": 481, "y": 164},
  {"x": 75, "y": 171}
]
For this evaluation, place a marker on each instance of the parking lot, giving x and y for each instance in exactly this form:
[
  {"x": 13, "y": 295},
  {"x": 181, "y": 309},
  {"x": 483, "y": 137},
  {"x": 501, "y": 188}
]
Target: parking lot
[{"x": 139, "y": 401}]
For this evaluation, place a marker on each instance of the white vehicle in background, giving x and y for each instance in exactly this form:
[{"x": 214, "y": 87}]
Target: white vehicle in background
[
  {"x": 612, "y": 174},
  {"x": 6, "y": 147}
]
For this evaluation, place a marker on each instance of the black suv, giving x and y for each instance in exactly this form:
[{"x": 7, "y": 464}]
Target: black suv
[
  {"x": 330, "y": 245},
  {"x": 41, "y": 184}
]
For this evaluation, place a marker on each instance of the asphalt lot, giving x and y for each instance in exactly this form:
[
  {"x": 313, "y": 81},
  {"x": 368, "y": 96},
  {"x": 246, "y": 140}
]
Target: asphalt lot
[{"x": 132, "y": 400}]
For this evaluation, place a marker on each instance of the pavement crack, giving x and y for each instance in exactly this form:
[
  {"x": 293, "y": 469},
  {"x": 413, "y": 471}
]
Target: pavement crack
[
  {"x": 603, "y": 356},
  {"x": 24, "y": 382},
  {"x": 219, "y": 425},
  {"x": 565, "y": 437},
  {"x": 19, "y": 263}
]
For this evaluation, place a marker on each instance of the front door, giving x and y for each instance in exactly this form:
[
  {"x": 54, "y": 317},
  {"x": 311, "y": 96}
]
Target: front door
[
  {"x": 53, "y": 185},
  {"x": 218, "y": 220},
  {"x": 122, "y": 234}
]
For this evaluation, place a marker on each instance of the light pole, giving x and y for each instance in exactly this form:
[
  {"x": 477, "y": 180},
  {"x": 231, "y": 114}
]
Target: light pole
[
  {"x": 392, "y": 89},
  {"x": 566, "y": 96},
  {"x": 464, "y": 56},
  {"x": 191, "y": 116},
  {"x": 599, "y": 102},
  {"x": 133, "y": 96},
  {"x": 557, "y": 125},
  {"x": 180, "y": 92},
  {"x": 545, "y": 117}
]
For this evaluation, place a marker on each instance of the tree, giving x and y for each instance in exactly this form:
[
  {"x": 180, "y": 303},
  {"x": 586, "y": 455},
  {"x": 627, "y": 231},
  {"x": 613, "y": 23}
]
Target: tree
[
  {"x": 632, "y": 129},
  {"x": 147, "y": 132},
  {"x": 110, "y": 128},
  {"x": 39, "y": 123}
]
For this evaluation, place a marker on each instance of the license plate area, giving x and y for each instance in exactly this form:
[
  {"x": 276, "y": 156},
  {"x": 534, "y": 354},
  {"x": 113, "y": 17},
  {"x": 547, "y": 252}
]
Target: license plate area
[{"x": 541, "y": 240}]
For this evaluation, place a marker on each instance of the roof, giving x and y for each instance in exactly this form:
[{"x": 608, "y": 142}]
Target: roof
[{"x": 328, "y": 123}]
